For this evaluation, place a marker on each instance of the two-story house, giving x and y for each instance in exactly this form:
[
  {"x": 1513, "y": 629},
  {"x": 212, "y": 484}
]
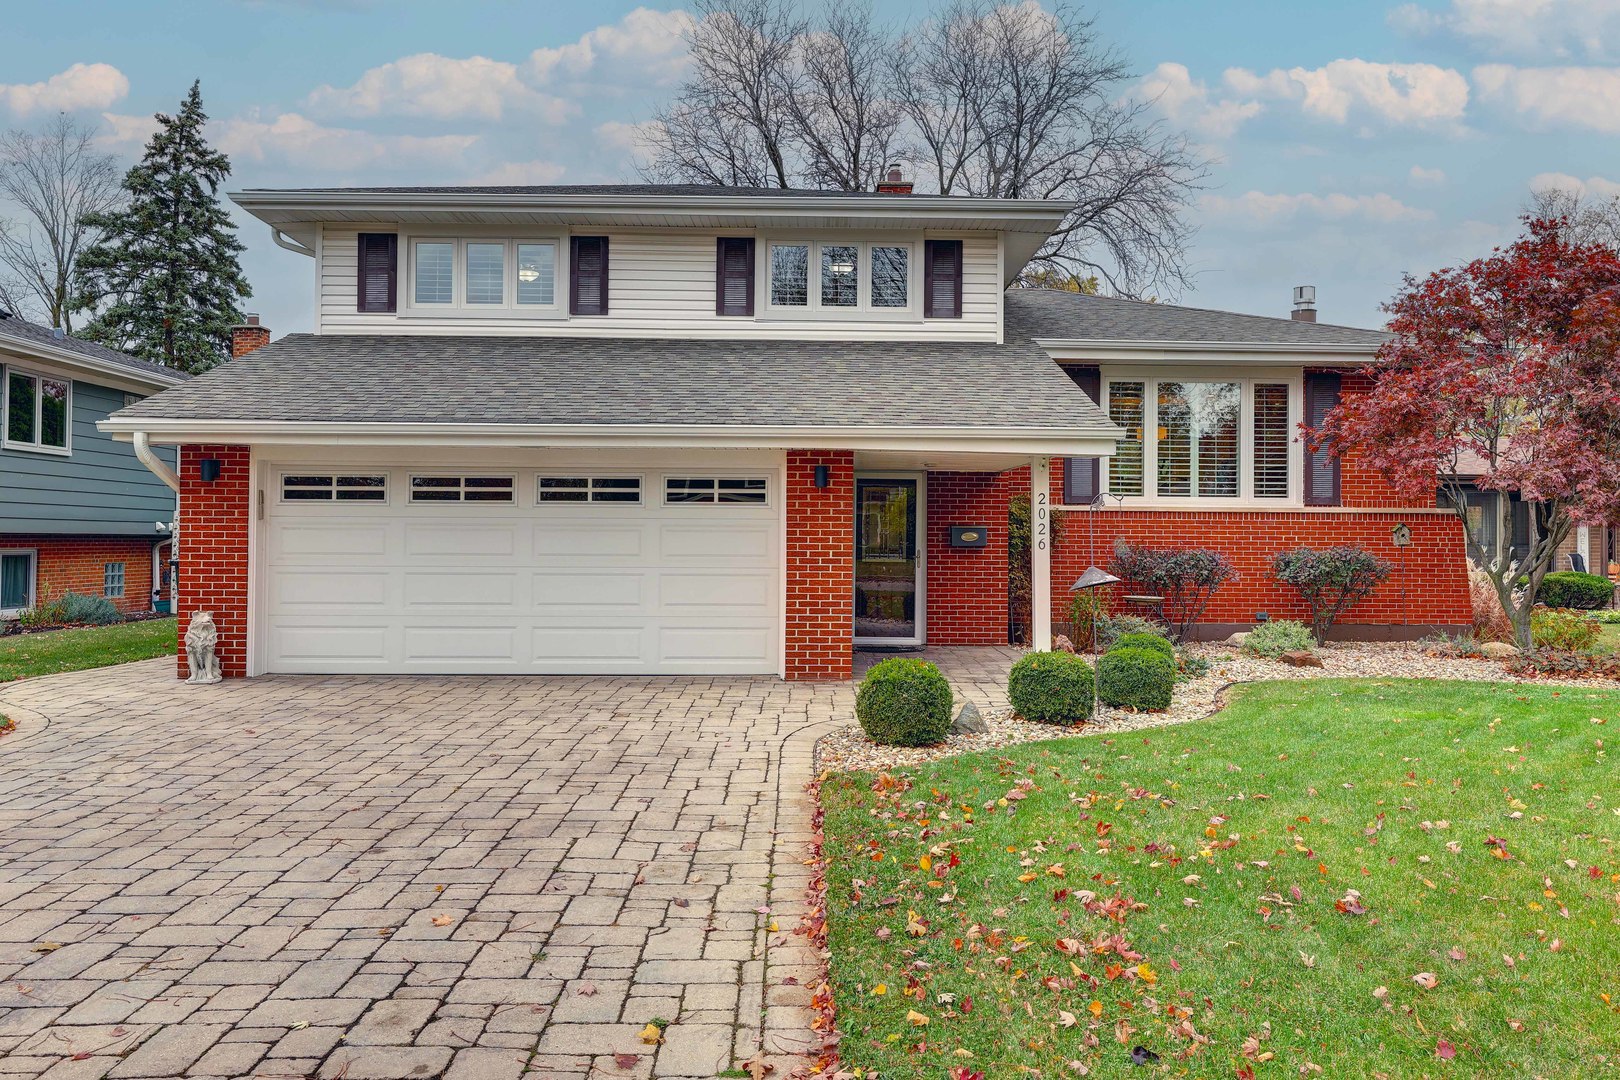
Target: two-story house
[
  {"x": 671, "y": 429},
  {"x": 78, "y": 511}
]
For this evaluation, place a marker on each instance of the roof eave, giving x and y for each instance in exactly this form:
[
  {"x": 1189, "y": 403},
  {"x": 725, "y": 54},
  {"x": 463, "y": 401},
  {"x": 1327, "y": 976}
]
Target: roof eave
[
  {"x": 118, "y": 374},
  {"x": 1254, "y": 352},
  {"x": 1094, "y": 441}
]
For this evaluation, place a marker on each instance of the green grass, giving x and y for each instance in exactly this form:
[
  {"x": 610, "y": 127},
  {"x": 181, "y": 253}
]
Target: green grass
[
  {"x": 1609, "y": 638},
  {"x": 1397, "y": 789},
  {"x": 53, "y": 651}
]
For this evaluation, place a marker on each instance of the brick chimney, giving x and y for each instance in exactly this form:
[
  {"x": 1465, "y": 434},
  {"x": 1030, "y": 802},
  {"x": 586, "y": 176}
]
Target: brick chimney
[
  {"x": 1304, "y": 303},
  {"x": 894, "y": 182},
  {"x": 248, "y": 335}
]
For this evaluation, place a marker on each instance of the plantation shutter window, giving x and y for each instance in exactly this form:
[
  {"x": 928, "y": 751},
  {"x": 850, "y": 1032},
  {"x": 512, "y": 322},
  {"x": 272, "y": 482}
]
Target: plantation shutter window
[
  {"x": 379, "y": 272},
  {"x": 1322, "y": 479},
  {"x": 1271, "y": 434},
  {"x": 588, "y": 275},
  {"x": 734, "y": 275},
  {"x": 942, "y": 279},
  {"x": 1127, "y": 403},
  {"x": 1081, "y": 475}
]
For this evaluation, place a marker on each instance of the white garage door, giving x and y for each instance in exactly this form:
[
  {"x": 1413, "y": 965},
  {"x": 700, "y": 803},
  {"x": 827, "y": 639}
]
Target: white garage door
[{"x": 484, "y": 571}]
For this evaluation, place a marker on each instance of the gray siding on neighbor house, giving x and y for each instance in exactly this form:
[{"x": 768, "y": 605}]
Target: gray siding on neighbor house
[{"x": 100, "y": 489}]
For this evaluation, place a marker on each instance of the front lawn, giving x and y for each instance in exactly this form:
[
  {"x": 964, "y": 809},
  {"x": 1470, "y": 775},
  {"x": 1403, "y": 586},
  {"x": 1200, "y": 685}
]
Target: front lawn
[
  {"x": 1188, "y": 890},
  {"x": 53, "y": 651}
]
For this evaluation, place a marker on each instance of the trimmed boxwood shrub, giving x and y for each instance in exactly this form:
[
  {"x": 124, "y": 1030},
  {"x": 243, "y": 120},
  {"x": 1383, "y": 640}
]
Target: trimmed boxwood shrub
[
  {"x": 1151, "y": 642},
  {"x": 1573, "y": 589},
  {"x": 1052, "y": 688},
  {"x": 1136, "y": 678},
  {"x": 904, "y": 702}
]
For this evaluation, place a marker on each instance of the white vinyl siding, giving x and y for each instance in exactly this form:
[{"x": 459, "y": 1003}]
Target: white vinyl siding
[{"x": 661, "y": 285}]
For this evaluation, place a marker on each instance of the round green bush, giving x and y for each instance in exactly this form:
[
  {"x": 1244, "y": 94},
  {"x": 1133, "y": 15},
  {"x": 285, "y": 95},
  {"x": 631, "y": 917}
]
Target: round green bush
[
  {"x": 1136, "y": 679},
  {"x": 1572, "y": 589},
  {"x": 1052, "y": 688},
  {"x": 904, "y": 702},
  {"x": 1152, "y": 642}
]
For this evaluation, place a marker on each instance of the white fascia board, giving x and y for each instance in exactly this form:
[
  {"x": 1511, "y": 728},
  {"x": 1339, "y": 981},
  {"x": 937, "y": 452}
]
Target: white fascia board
[
  {"x": 254, "y": 200},
  {"x": 88, "y": 368},
  {"x": 1180, "y": 352},
  {"x": 1092, "y": 442}
]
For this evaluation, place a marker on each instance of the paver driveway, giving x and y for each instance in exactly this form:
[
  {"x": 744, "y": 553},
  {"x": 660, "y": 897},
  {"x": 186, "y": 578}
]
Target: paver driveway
[{"x": 401, "y": 877}]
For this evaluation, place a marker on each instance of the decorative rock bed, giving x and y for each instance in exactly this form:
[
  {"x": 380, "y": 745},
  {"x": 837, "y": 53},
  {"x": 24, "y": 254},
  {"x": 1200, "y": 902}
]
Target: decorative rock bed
[{"x": 849, "y": 749}]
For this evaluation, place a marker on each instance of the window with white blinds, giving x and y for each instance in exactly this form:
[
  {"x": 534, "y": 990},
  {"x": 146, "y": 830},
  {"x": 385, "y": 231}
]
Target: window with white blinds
[
  {"x": 1191, "y": 440},
  {"x": 1271, "y": 440}
]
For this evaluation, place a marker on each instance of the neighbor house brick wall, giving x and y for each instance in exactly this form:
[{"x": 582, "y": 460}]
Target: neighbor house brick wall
[
  {"x": 820, "y": 565},
  {"x": 214, "y": 549},
  {"x": 79, "y": 563},
  {"x": 967, "y": 587}
]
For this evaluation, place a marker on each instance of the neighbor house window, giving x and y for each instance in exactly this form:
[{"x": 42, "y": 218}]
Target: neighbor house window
[
  {"x": 112, "y": 580},
  {"x": 487, "y": 489},
  {"x": 1203, "y": 439},
  {"x": 595, "y": 489},
  {"x": 711, "y": 489},
  {"x": 16, "y": 581},
  {"x": 304, "y": 487},
  {"x": 37, "y": 412},
  {"x": 848, "y": 276}
]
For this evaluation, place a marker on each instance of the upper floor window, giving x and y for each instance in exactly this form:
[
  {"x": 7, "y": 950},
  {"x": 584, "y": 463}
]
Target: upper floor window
[
  {"x": 1197, "y": 439},
  {"x": 484, "y": 275},
  {"x": 38, "y": 412},
  {"x": 840, "y": 276}
]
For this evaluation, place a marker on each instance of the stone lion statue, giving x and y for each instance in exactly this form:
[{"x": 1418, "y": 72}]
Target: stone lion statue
[{"x": 201, "y": 637}]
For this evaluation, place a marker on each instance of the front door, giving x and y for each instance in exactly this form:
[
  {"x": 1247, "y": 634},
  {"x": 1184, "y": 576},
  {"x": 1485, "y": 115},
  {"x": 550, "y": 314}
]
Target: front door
[{"x": 888, "y": 566}]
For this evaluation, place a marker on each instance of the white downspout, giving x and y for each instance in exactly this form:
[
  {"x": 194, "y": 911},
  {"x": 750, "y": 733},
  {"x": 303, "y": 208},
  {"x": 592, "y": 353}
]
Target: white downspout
[{"x": 159, "y": 467}]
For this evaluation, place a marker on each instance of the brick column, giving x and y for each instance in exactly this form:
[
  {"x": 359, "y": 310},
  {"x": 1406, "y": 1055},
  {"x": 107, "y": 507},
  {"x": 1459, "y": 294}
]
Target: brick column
[
  {"x": 214, "y": 549},
  {"x": 820, "y": 565}
]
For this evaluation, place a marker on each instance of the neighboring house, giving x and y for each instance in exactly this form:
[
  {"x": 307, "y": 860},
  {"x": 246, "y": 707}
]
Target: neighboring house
[
  {"x": 78, "y": 511},
  {"x": 691, "y": 430},
  {"x": 1593, "y": 547}
]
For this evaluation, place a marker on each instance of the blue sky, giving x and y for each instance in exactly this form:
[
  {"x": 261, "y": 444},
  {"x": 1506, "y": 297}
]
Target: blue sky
[{"x": 1353, "y": 141}]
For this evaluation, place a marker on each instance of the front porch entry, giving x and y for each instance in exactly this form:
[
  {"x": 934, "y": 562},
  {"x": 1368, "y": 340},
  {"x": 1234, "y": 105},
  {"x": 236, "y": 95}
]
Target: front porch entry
[{"x": 890, "y": 558}]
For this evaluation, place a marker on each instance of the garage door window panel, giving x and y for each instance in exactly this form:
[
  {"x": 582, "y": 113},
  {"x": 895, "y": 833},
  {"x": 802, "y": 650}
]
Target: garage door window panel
[
  {"x": 590, "y": 489},
  {"x": 732, "y": 490},
  {"x": 306, "y": 487},
  {"x": 459, "y": 489}
]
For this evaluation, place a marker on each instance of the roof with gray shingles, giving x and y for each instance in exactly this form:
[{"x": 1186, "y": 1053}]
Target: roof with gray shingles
[
  {"x": 708, "y": 381},
  {"x": 23, "y": 333},
  {"x": 1050, "y": 314},
  {"x": 600, "y": 189}
]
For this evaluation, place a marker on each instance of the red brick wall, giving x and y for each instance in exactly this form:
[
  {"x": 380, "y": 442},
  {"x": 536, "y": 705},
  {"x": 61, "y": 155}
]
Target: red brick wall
[
  {"x": 214, "y": 549},
  {"x": 1359, "y": 484},
  {"x": 78, "y": 564},
  {"x": 1428, "y": 588},
  {"x": 967, "y": 587},
  {"x": 820, "y": 565}
]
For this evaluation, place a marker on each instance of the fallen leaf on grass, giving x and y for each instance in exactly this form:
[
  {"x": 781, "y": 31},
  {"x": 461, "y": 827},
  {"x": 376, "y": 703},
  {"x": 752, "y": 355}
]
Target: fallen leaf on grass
[
  {"x": 1444, "y": 1050},
  {"x": 916, "y": 1019},
  {"x": 1426, "y": 979}
]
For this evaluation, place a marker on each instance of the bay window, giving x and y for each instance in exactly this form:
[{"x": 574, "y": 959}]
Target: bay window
[
  {"x": 1194, "y": 439},
  {"x": 848, "y": 276}
]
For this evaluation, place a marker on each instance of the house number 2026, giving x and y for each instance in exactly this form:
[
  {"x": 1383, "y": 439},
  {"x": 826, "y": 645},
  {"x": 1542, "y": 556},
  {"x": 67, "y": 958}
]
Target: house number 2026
[{"x": 1042, "y": 526}]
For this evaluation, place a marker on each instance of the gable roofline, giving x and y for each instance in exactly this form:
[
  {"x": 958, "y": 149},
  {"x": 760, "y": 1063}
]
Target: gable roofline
[{"x": 83, "y": 358}]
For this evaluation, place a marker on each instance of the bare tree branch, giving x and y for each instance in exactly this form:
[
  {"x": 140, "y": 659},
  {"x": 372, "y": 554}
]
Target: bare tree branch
[
  {"x": 841, "y": 117},
  {"x": 56, "y": 178},
  {"x": 1591, "y": 221}
]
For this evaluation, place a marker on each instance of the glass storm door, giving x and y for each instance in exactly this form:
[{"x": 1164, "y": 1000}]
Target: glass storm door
[{"x": 886, "y": 563}]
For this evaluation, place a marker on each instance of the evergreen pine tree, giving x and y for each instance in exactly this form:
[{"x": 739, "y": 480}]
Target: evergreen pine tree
[{"x": 165, "y": 280}]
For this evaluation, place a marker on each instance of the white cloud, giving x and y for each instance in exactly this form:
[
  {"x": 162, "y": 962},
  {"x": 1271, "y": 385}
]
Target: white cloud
[
  {"x": 1400, "y": 94},
  {"x": 1268, "y": 208},
  {"x": 629, "y": 138},
  {"x": 294, "y": 140},
  {"x": 1420, "y": 175},
  {"x": 649, "y": 47},
  {"x": 1583, "y": 29},
  {"x": 1596, "y": 187},
  {"x": 1187, "y": 102},
  {"x": 1581, "y": 97},
  {"x": 125, "y": 133},
  {"x": 82, "y": 86},
  {"x": 521, "y": 174},
  {"x": 441, "y": 88}
]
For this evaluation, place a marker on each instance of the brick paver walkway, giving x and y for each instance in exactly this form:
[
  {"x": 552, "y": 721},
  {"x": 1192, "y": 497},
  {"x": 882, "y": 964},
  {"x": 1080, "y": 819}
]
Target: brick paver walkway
[{"x": 402, "y": 877}]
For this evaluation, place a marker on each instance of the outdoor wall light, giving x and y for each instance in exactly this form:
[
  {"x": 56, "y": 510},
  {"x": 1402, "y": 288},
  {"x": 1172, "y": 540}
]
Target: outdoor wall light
[
  {"x": 1261, "y": 616},
  {"x": 208, "y": 470},
  {"x": 823, "y": 476}
]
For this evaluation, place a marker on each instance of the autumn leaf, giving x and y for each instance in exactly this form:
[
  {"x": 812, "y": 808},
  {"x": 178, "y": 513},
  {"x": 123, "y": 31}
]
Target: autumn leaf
[
  {"x": 652, "y": 1034},
  {"x": 626, "y": 1061},
  {"x": 916, "y": 1019},
  {"x": 1444, "y": 1050},
  {"x": 442, "y": 920},
  {"x": 1426, "y": 979}
]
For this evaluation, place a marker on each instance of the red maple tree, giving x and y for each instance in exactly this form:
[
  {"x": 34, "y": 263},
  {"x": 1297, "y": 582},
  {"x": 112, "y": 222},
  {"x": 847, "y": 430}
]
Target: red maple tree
[{"x": 1507, "y": 368}]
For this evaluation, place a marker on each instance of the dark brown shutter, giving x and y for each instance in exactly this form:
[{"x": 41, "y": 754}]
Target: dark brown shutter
[
  {"x": 942, "y": 279},
  {"x": 588, "y": 275},
  {"x": 734, "y": 275},
  {"x": 1322, "y": 466},
  {"x": 378, "y": 285},
  {"x": 1082, "y": 477}
]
